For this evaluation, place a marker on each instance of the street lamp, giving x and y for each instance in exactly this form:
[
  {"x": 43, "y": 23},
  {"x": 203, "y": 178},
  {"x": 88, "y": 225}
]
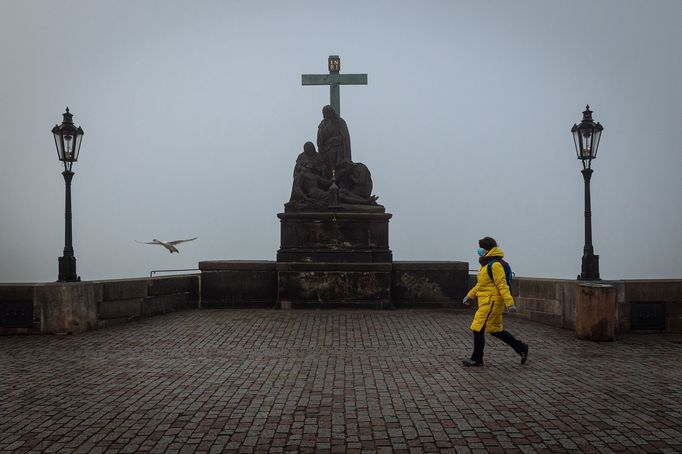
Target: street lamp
[
  {"x": 68, "y": 139},
  {"x": 586, "y": 136}
]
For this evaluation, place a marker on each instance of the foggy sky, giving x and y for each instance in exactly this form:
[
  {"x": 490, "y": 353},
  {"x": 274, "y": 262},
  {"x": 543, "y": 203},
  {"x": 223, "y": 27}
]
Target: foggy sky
[{"x": 194, "y": 114}]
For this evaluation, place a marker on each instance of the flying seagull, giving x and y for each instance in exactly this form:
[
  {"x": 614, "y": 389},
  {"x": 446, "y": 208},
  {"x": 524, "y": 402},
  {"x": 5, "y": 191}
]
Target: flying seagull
[{"x": 170, "y": 245}]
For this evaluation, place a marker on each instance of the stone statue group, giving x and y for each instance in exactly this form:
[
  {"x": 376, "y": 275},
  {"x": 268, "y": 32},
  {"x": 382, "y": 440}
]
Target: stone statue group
[{"x": 329, "y": 178}]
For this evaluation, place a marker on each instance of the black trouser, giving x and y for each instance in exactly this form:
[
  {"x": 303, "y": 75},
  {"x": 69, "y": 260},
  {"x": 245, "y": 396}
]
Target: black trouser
[{"x": 504, "y": 336}]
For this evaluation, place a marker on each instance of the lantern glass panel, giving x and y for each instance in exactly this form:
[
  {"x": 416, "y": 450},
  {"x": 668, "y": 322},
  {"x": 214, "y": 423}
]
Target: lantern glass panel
[
  {"x": 69, "y": 143},
  {"x": 58, "y": 142},
  {"x": 586, "y": 146},
  {"x": 596, "y": 136}
]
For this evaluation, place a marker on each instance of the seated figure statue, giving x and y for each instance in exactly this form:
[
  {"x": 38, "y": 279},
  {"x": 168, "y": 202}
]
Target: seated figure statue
[
  {"x": 315, "y": 172},
  {"x": 310, "y": 189},
  {"x": 355, "y": 183}
]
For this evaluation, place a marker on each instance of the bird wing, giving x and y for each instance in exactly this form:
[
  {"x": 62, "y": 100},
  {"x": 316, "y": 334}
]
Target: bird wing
[
  {"x": 147, "y": 242},
  {"x": 181, "y": 241}
]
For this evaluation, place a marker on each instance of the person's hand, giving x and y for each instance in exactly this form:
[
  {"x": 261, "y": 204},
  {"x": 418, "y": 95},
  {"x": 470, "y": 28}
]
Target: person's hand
[
  {"x": 511, "y": 309},
  {"x": 466, "y": 301}
]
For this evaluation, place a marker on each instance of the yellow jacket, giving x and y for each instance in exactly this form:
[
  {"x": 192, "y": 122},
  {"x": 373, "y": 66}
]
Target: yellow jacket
[{"x": 493, "y": 296}]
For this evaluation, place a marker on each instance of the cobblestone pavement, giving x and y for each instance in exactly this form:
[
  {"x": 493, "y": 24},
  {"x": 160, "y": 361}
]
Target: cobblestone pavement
[{"x": 335, "y": 381}]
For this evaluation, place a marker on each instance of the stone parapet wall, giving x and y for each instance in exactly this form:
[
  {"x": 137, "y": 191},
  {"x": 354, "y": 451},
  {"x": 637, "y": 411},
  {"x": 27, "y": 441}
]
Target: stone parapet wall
[
  {"x": 238, "y": 283},
  {"x": 74, "y": 307},
  {"x": 421, "y": 284},
  {"x": 34, "y": 308},
  {"x": 233, "y": 283},
  {"x": 17, "y": 312},
  {"x": 553, "y": 301},
  {"x": 128, "y": 299},
  {"x": 640, "y": 294},
  {"x": 548, "y": 301}
]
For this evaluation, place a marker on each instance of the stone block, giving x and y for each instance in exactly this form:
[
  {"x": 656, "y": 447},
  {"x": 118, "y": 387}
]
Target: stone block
[
  {"x": 623, "y": 319},
  {"x": 354, "y": 283},
  {"x": 124, "y": 289},
  {"x": 237, "y": 265},
  {"x": 553, "y": 307},
  {"x": 67, "y": 307},
  {"x": 673, "y": 315},
  {"x": 173, "y": 284},
  {"x": 675, "y": 325},
  {"x": 595, "y": 312},
  {"x": 18, "y": 314},
  {"x": 673, "y": 309},
  {"x": 429, "y": 282},
  {"x": 327, "y": 237},
  {"x": 18, "y": 317},
  {"x": 16, "y": 292},
  {"x": 545, "y": 306},
  {"x": 537, "y": 288},
  {"x": 567, "y": 294},
  {"x": 335, "y": 256},
  {"x": 163, "y": 304},
  {"x": 119, "y": 309},
  {"x": 545, "y": 318},
  {"x": 99, "y": 291},
  {"x": 620, "y": 290},
  {"x": 648, "y": 316},
  {"x": 238, "y": 283},
  {"x": 530, "y": 304},
  {"x": 653, "y": 290}
]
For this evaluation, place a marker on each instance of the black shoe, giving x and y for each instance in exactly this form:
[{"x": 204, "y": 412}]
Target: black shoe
[
  {"x": 472, "y": 363},
  {"x": 524, "y": 354}
]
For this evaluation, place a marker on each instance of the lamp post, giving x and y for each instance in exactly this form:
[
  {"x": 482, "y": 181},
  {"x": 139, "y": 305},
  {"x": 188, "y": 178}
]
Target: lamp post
[
  {"x": 586, "y": 136},
  {"x": 68, "y": 139}
]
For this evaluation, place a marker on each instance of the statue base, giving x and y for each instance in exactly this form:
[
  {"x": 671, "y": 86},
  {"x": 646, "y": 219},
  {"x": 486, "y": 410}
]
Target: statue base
[
  {"x": 307, "y": 284},
  {"x": 334, "y": 257}
]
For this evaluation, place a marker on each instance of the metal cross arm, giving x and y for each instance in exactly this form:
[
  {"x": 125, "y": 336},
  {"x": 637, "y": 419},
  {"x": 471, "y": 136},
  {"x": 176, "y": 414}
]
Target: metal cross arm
[
  {"x": 334, "y": 80},
  {"x": 329, "y": 79}
]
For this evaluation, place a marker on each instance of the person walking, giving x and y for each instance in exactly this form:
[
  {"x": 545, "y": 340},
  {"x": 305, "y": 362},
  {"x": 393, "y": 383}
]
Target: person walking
[{"x": 493, "y": 296}]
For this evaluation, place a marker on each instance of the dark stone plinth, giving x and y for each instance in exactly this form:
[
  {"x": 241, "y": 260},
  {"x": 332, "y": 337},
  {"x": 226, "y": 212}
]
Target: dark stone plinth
[
  {"x": 334, "y": 237},
  {"x": 333, "y": 257},
  {"x": 238, "y": 283},
  {"x": 429, "y": 283},
  {"x": 349, "y": 283}
]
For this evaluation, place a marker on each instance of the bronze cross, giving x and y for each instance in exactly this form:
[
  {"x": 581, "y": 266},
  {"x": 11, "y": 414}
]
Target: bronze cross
[{"x": 334, "y": 80}]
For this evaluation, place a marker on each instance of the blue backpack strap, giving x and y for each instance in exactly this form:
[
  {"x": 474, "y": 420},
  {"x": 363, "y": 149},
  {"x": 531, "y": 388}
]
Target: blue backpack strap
[
  {"x": 490, "y": 269},
  {"x": 505, "y": 267}
]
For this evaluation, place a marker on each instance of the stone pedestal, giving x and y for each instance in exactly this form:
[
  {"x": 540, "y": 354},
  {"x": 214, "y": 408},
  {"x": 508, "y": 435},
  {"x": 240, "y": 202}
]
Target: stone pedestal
[
  {"x": 334, "y": 257},
  {"x": 595, "y": 311},
  {"x": 326, "y": 237},
  {"x": 363, "y": 284}
]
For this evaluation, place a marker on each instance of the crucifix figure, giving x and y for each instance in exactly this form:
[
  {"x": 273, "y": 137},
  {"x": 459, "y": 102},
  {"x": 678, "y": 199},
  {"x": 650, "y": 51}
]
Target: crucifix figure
[{"x": 334, "y": 79}]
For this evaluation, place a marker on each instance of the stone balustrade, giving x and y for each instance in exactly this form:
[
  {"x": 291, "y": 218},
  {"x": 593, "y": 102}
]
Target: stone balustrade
[
  {"x": 641, "y": 305},
  {"x": 74, "y": 307}
]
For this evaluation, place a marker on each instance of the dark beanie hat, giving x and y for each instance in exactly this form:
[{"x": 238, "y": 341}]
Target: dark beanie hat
[{"x": 487, "y": 243}]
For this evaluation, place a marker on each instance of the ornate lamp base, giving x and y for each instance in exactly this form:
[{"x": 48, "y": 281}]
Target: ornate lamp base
[{"x": 67, "y": 269}]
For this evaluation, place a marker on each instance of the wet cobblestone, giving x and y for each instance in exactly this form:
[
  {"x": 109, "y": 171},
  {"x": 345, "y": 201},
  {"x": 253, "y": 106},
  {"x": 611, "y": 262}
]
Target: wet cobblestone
[{"x": 335, "y": 381}]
